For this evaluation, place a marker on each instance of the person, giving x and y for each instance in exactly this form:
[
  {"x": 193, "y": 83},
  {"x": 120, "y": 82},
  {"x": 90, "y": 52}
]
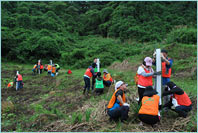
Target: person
[
  {"x": 19, "y": 81},
  {"x": 107, "y": 79},
  {"x": 57, "y": 68},
  {"x": 149, "y": 110},
  {"x": 49, "y": 68},
  {"x": 88, "y": 74},
  {"x": 179, "y": 102},
  {"x": 10, "y": 85},
  {"x": 145, "y": 74},
  {"x": 117, "y": 107},
  {"x": 53, "y": 70},
  {"x": 41, "y": 68},
  {"x": 166, "y": 70},
  {"x": 34, "y": 69},
  {"x": 95, "y": 71},
  {"x": 99, "y": 84}
]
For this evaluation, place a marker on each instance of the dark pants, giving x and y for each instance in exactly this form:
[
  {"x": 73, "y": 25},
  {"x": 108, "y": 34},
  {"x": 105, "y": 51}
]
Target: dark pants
[
  {"x": 93, "y": 82},
  {"x": 149, "y": 119},
  {"x": 107, "y": 83},
  {"x": 20, "y": 85},
  {"x": 120, "y": 112},
  {"x": 183, "y": 110},
  {"x": 87, "y": 84},
  {"x": 57, "y": 69},
  {"x": 140, "y": 92},
  {"x": 99, "y": 90}
]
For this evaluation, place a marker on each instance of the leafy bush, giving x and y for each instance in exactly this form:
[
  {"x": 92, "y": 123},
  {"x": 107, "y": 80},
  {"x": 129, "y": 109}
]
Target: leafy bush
[{"x": 183, "y": 35}]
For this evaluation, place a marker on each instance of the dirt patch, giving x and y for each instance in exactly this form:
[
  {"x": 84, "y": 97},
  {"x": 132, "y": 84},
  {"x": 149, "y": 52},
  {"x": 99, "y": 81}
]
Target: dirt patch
[{"x": 124, "y": 66}]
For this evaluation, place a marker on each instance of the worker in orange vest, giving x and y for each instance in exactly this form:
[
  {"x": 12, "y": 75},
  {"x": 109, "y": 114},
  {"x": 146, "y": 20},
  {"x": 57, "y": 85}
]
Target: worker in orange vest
[
  {"x": 88, "y": 74},
  {"x": 179, "y": 102},
  {"x": 41, "y": 67},
  {"x": 117, "y": 107},
  {"x": 107, "y": 79},
  {"x": 34, "y": 69},
  {"x": 149, "y": 110},
  {"x": 145, "y": 75},
  {"x": 53, "y": 70},
  {"x": 19, "y": 81},
  {"x": 49, "y": 68},
  {"x": 10, "y": 85},
  {"x": 166, "y": 70}
]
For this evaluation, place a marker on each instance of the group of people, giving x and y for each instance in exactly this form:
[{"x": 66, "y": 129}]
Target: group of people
[
  {"x": 98, "y": 82},
  {"x": 37, "y": 67},
  {"x": 18, "y": 80},
  {"x": 52, "y": 69},
  {"x": 149, "y": 113}
]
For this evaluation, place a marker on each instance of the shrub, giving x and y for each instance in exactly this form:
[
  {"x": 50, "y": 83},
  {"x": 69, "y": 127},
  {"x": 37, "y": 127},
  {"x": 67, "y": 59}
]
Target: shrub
[{"x": 183, "y": 35}]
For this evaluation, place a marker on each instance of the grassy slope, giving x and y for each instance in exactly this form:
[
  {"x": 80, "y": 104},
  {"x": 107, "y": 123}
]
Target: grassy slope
[{"x": 57, "y": 104}]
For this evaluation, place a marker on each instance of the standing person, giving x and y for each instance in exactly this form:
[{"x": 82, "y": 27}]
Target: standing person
[
  {"x": 117, "y": 107},
  {"x": 166, "y": 71},
  {"x": 88, "y": 74},
  {"x": 19, "y": 81},
  {"x": 53, "y": 70},
  {"x": 145, "y": 73},
  {"x": 57, "y": 68},
  {"x": 107, "y": 79},
  {"x": 41, "y": 68},
  {"x": 49, "y": 68},
  {"x": 149, "y": 110},
  {"x": 179, "y": 102},
  {"x": 95, "y": 71},
  {"x": 99, "y": 84}
]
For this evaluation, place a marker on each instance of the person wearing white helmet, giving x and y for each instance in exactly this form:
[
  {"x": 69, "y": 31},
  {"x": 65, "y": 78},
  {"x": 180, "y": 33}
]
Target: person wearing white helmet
[
  {"x": 117, "y": 107},
  {"x": 145, "y": 73}
]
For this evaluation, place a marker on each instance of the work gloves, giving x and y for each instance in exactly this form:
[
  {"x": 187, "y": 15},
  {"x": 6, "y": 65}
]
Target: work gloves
[
  {"x": 157, "y": 73},
  {"x": 126, "y": 104}
]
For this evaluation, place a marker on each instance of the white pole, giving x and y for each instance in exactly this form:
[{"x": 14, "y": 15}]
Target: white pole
[
  {"x": 16, "y": 80},
  {"x": 39, "y": 63},
  {"x": 158, "y": 79},
  {"x": 98, "y": 65}
]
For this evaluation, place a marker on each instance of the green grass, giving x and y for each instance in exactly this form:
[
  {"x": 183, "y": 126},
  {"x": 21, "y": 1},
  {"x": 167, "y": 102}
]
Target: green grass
[{"x": 75, "y": 116}]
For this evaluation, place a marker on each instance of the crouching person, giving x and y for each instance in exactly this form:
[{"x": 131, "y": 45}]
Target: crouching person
[
  {"x": 149, "y": 109},
  {"x": 179, "y": 102},
  {"x": 117, "y": 107},
  {"x": 99, "y": 84}
]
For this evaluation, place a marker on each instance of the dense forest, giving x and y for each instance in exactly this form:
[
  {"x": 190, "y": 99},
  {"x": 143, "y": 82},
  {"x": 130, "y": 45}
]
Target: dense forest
[{"x": 73, "y": 33}]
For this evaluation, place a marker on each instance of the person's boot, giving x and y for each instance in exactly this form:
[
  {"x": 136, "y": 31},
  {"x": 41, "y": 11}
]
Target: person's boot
[{"x": 84, "y": 91}]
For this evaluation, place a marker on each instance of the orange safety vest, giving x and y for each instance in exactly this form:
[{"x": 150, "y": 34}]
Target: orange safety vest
[
  {"x": 145, "y": 81},
  {"x": 164, "y": 74},
  {"x": 150, "y": 105},
  {"x": 104, "y": 77},
  {"x": 10, "y": 84},
  {"x": 183, "y": 99},
  {"x": 113, "y": 100},
  {"x": 49, "y": 67},
  {"x": 34, "y": 66},
  {"x": 88, "y": 72},
  {"x": 20, "y": 77},
  {"x": 53, "y": 69}
]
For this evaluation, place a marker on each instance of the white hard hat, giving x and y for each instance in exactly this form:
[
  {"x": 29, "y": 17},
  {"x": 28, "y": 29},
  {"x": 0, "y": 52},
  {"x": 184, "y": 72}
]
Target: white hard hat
[{"x": 118, "y": 84}]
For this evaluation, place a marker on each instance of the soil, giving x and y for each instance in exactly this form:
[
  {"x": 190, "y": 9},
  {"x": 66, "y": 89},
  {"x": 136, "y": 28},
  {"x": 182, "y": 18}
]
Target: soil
[{"x": 72, "y": 95}]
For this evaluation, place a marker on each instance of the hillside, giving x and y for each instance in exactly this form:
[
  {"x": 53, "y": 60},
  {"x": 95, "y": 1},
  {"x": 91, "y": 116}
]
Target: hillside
[{"x": 72, "y": 34}]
